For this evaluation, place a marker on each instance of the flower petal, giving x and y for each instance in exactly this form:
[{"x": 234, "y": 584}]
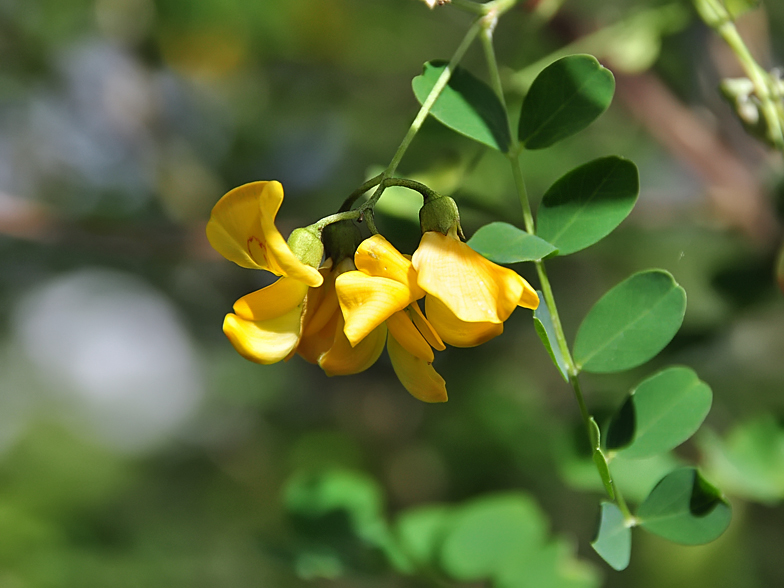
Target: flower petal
[
  {"x": 242, "y": 229},
  {"x": 266, "y": 341},
  {"x": 377, "y": 257},
  {"x": 474, "y": 288},
  {"x": 456, "y": 332},
  {"x": 404, "y": 332},
  {"x": 424, "y": 327},
  {"x": 342, "y": 359},
  {"x": 417, "y": 376},
  {"x": 314, "y": 345},
  {"x": 273, "y": 301},
  {"x": 368, "y": 301}
]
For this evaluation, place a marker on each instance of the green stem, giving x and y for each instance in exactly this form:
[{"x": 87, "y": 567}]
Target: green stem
[
  {"x": 426, "y": 107},
  {"x": 716, "y": 16},
  {"x": 349, "y": 202},
  {"x": 547, "y": 291},
  {"x": 469, "y": 6},
  {"x": 337, "y": 217},
  {"x": 411, "y": 185}
]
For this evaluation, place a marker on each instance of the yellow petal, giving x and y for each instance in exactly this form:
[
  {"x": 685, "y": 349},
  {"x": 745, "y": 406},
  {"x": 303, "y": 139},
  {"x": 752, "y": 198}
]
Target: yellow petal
[
  {"x": 424, "y": 327},
  {"x": 368, "y": 301},
  {"x": 404, "y": 332},
  {"x": 273, "y": 301},
  {"x": 456, "y": 332},
  {"x": 312, "y": 346},
  {"x": 529, "y": 298},
  {"x": 242, "y": 229},
  {"x": 416, "y": 375},
  {"x": 342, "y": 359},
  {"x": 474, "y": 288},
  {"x": 266, "y": 341},
  {"x": 377, "y": 257}
]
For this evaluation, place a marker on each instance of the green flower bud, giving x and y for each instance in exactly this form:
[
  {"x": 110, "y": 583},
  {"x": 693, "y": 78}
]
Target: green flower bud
[
  {"x": 440, "y": 213},
  {"x": 306, "y": 245},
  {"x": 341, "y": 240}
]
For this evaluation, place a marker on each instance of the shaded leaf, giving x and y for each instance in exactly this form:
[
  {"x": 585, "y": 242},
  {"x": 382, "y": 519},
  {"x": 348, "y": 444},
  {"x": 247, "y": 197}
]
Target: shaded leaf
[
  {"x": 466, "y": 105},
  {"x": 750, "y": 461},
  {"x": 599, "y": 458},
  {"x": 613, "y": 541},
  {"x": 420, "y": 532},
  {"x": 684, "y": 508},
  {"x": 504, "y": 243},
  {"x": 662, "y": 412},
  {"x": 565, "y": 97},
  {"x": 586, "y": 204},
  {"x": 631, "y": 323}
]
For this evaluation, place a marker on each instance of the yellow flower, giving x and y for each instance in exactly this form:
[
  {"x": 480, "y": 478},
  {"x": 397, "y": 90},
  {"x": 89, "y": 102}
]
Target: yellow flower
[
  {"x": 242, "y": 229},
  {"x": 383, "y": 291},
  {"x": 323, "y": 340},
  {"x": 266, "y": 325},
  {"x": 468, "y": 297}
]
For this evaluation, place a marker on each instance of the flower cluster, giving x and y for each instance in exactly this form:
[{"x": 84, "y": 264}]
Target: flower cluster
[{"x": 340, "y": 313}]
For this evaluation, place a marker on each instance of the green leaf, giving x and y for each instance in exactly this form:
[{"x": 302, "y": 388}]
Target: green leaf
[
  {"x": 421, "y": 530},
  {"x": 466, "y": 105},
  {"x": 599, "y": 458},
  {"x": 566, "y": 96},
  {"x": 684, "y": 508},
  {"x": 551, "y": 566},
  {"x": 505, "y": 243},
  {"x": 749, "y": 462},
  {"x": 489, "y": 532},
  {"x": 543, "y": 323},
  {"x": 613, "y": 540},
  {"x": 631, "y": 323},
  {"x": 586, "y": 204},
  {"x": 662, "y": 412}
]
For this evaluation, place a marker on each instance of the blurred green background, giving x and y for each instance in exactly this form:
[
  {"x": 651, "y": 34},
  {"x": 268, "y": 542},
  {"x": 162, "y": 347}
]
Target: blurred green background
[{"x": 138, "y": 449}]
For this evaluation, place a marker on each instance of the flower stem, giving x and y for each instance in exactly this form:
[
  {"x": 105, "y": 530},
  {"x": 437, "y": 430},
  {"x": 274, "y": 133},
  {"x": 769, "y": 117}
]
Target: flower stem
[
  {"x": 349, "y": 202},
  {"x": 425, "y": 109}
]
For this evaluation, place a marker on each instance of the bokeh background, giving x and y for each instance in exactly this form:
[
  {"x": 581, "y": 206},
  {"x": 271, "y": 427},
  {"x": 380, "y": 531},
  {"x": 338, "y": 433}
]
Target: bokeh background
[{"x": 138, "y": 449}]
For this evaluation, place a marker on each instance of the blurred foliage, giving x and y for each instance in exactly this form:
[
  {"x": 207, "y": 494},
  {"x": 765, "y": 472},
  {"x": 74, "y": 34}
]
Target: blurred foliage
[{"x": 137, "y": 449}]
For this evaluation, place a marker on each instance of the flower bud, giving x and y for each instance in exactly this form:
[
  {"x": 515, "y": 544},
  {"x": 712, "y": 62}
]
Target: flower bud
[
  {"x": 440, "y": 213},
  {"x": 306, "y": 245},
  {"x": 341, "y": 240}
]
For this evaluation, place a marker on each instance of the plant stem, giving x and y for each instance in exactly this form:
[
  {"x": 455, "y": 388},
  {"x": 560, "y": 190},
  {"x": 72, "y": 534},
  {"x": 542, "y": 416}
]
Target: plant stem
[
  {"x": 426, "y": 107},
  {"x": 349, "y": 202},
  {"x": 547, "y": 291},
  {"x": 716, "y": 16}
]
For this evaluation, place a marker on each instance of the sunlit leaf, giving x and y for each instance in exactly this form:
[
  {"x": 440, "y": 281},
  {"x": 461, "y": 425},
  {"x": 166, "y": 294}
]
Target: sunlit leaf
[
  {"x": 551, "y": 566},
  {"x": 631, "y": 323},
  {"x": 543, "y": 323},
  {"x": 613, "y": 540},
  {"x": 661, "y": 413},
  {"x": 587, "y": 203},
  {"x": 565, "y": 97},
  {"x": 505, "y": 243},
  {"x": 466, "y": 105},
  {"x": 685, "y": 508},
  {"x": 490, "y": 531}
]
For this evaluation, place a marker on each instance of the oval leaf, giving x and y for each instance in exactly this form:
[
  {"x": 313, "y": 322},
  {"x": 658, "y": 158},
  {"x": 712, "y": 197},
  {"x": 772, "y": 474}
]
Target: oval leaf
[
  {"x": 466, "y": 105},
  {"x": 488, "y": 533},
  {"x": 613, "y": 540},
  {"x": 586, "y": 204},
  {"x": 505, "y": 243},
  {"x": 684, "y": 508},
  {"x": 543, "y": 323},
  {"x": 567, "y": 96},
  {"x": 420, "y": 531},
  {"x": 631, "y": 323},
  {"x": 662, "y": 412}
]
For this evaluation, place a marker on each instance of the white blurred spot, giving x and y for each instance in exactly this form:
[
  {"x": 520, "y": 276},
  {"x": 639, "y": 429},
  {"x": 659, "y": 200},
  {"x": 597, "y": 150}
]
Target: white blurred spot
[{"x": 116, "y": 346}]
